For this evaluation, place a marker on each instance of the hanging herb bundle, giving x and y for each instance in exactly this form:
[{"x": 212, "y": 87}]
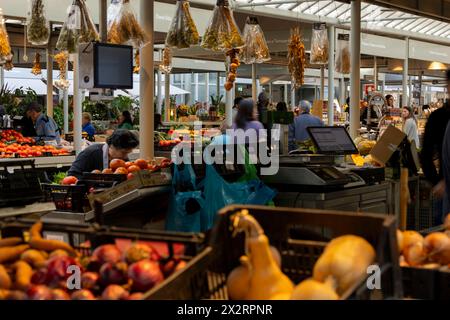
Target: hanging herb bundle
[
  {"x": 61, "y": 59},
  {"x": 222, "y": 33},
  {"x": 5, "y": 48},
  {"x": 319, "y": 44},
  {"x": 343, "y": 54},
  {"x": 137, "y": 62},
  {"x": 166, "y": 63},
  {"x": 296, "y": 58},
  {"x": 78, "y": 28},
  {"x": 125, "y": 28},
  {"x": 232, "y": 63},
  {"x": 36, "y": 70},
  {"x": 256, "y": 49},
  {"x": 183, "y": 32},
  {"x": 38, "y": 26},
  {"x": 8, "y": 66}
]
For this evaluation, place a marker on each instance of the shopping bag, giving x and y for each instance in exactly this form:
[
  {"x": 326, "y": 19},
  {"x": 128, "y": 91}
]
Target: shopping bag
[
  {"x": 185, "y": 212},
  {"x": 218, "y": 193}
]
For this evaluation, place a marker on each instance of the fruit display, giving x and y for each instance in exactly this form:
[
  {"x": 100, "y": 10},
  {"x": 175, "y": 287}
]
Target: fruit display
[
  {"x": 15, "y": 150},
  {"x": 296, "y": 58},
  {"x": 41, "y": 269},
  {"x": 341, "y": 266},
  {"x": 429, "y": 252},
  {"x": 232, "y": 64},
  {"x": 119, "y": 166},
  {"x": 11, "y": 136},
  {"x": 182, "y": 32}
]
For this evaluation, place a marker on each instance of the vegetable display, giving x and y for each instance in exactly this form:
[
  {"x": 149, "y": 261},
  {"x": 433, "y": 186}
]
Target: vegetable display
[
  {"x": 256, "y": 49},
  {"x": 343, "y": 54},
  {"x": 37, "y": 270},
  {"x": 222, "y": 33},
  {"x": 182, "y": 32},
  {"x": 36, "y": 69},
  {"x": 296, "y": 58},
  {"x": 38, "y": 25},
  {"x": 125, "y": 28},
  {"x": 342, "y": 265},
  {"x": 319, "y": 44}
]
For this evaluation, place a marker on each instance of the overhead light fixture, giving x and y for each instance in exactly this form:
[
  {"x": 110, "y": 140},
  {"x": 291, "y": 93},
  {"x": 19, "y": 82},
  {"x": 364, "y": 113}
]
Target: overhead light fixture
[
  {"x": 437, "y": 66},
  {"x": 398, "y": 68}
]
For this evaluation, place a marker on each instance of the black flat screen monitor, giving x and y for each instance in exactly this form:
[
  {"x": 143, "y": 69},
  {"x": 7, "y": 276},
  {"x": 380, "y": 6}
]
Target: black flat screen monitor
[
  {"x": 332, "y": 140},
  {"x": 113, "y": 66}
]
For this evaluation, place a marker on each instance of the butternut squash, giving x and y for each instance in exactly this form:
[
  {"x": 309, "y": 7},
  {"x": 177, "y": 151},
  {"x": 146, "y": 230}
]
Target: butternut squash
[
  {"x": 23, "y": 275},
  {"x": 411, "y": 237},
  {"x": 437, "y": 246},
  {"x": 34, "y": 258},
  {"x": 266, "y": 281},
  {"x": 311, "y": 289},
  {"x": 5, "y": 280},
  {"x": 238, "y": 280},
  {"x": 345, "y": 261},
  {"x": 415, "y": 254}
]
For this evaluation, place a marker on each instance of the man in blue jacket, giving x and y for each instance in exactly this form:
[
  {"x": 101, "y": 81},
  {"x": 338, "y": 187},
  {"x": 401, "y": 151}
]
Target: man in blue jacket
[
  {"x": 46, "y": 127},
  {"x": 298, "y": 130}
]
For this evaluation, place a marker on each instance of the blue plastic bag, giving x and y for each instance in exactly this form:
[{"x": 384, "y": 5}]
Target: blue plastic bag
[
  {"x": 218, "y": 193},
  {"x": 185, "y": 207}
]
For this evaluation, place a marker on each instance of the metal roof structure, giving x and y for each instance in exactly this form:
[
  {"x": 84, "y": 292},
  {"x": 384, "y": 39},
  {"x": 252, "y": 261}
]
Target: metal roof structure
[{"x": 373, "y": 17}]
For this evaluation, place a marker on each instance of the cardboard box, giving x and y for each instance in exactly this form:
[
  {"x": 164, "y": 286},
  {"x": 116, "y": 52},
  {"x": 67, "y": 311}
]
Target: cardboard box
[{"x": 387, "y": 145}]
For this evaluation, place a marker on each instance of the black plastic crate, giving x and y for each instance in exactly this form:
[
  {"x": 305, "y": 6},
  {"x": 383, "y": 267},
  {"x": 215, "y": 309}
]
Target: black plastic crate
[
  {"x": 22, "y": 186},
  {"x": 67, "y": 198},
  {"x": 100, "y": 180},
  {"x": 187, "y": 283},
  {"x": 301, "y": 236}
]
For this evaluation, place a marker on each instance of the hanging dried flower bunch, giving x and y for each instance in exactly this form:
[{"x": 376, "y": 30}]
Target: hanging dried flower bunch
[
  {"x": 61, "y": 59},
  {"x": 182, "y": 32},
  {"x": 137, "y": 62},
  {"x": 5, "y": 48},
  {"x": 36, "y": 70},
  {"x": 38, "y": 25},
  {"x": 166, "y": 63},
  {"x": 296, "y": 58}
]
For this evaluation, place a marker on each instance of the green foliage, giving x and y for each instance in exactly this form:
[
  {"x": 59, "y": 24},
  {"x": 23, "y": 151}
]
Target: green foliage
[
  {"x": 58, "y": 114},
  {"x": 58, "y": 178},
  {"x": 216, "y": 100},
  {"x": 16, "y": 100}
]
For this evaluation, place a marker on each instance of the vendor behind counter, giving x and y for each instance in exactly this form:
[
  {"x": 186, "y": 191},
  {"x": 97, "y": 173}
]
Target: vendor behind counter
[{"x": 97, "y": 157}]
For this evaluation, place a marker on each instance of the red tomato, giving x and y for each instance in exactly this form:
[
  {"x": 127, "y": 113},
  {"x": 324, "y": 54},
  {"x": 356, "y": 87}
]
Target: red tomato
[{"x": 69, "y": 180}]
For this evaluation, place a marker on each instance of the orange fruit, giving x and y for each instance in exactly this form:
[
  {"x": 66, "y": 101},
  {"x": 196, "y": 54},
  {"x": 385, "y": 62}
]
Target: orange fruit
[
  {"x": 116, "y": 163},
  {"x": 96, "y": 171},
  {"x": 121, "y": 170},
  {"x": 107, "y": 171},
  {"x": 133, "y": 168},
  {"x": 129, "y": 164},
  {"x": 141, "y": 163}
]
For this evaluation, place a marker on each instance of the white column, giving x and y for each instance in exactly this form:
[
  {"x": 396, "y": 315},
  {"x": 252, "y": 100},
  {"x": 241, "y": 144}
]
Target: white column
[
  {"x": 405, "y": 99},
  {"x": 342, "y": 91},
  {"x": 49, "y": 81},
  {"x": 166, "y": 97},
  {"x": 66, "y": 105},
  {"x": 331, "y": 39},
  {"x": 188, "y": 87},
  {"x": 285, "y": 98},
  {"x": 77, "y": 109},
  {"x": 375, "y": 73},
  {"x": 2, "y": 76},
  {"x": 159, "y": 96},
  {"x": 258, "y": 88},
  {"x": 355, "y": 47},
  {"x": 195, "y": 81},
  {"x": 270, "y": 92},
  {"x": 254, "y": 84},
  {"x": 207, "y": 87},
  {"x": 229, "y": 106},
  {"x": 322, "y": 83},
  {"x": 292, "y": 97},
  {"x": 218, "y": 84},
  {"x": 147, "y": 87}
]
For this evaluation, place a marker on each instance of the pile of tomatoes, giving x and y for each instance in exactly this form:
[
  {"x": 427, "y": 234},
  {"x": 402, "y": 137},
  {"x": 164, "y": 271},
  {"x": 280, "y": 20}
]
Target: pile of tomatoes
[
  {"x": 118, "y": 166},
  {"x": 26, "y": 151},
  {"x": 168, "y": 143},
  {"x": 7, "y": 136}
]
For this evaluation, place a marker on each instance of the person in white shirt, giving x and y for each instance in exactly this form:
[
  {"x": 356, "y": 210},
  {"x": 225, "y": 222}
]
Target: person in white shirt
[{"x": 410, "y": 126}]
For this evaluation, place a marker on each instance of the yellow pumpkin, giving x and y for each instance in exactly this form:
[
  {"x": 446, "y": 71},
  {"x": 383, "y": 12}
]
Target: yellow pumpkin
[{"x": 311, "y": 289}]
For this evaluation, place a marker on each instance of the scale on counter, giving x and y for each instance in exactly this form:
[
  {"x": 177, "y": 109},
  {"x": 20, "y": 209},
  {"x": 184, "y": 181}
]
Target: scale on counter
[{"x": 312, "y": 173}]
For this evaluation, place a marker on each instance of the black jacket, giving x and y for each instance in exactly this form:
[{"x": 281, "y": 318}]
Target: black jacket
[
  {"x": 88, "y": 160},
  {"x": 432, "y": 143}
]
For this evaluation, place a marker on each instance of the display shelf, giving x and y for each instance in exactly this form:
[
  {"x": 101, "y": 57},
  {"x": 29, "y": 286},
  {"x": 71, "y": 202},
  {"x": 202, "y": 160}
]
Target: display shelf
[
  {"x": 34, "y": 208},
  {"x": 45, "y": 162}
]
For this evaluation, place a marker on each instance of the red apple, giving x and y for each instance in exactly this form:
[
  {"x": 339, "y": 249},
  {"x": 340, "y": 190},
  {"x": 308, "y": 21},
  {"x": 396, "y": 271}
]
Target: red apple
[
  {"x": 57, "y": 270},
  {"x": 136, "y": 296},
  {"x": 39, "y": 292},
  {"x": 39, "y": 276},
  {"x": 140, "y": 251},
  {"x": 113, "y": 273},
  {"x": 89, "y": 280},
  {"x": 59, "y": 294},
  {"x": 115, "y": 292},
  {"x": 145, "y": 275},
  {"x": 82, "y": 294},
  {"x": 107, "y": 253}
]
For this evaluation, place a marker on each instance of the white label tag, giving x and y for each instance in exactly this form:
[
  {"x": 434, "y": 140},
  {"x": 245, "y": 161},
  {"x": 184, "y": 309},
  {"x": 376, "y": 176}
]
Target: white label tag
[{"x": 74, "y": 18}]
